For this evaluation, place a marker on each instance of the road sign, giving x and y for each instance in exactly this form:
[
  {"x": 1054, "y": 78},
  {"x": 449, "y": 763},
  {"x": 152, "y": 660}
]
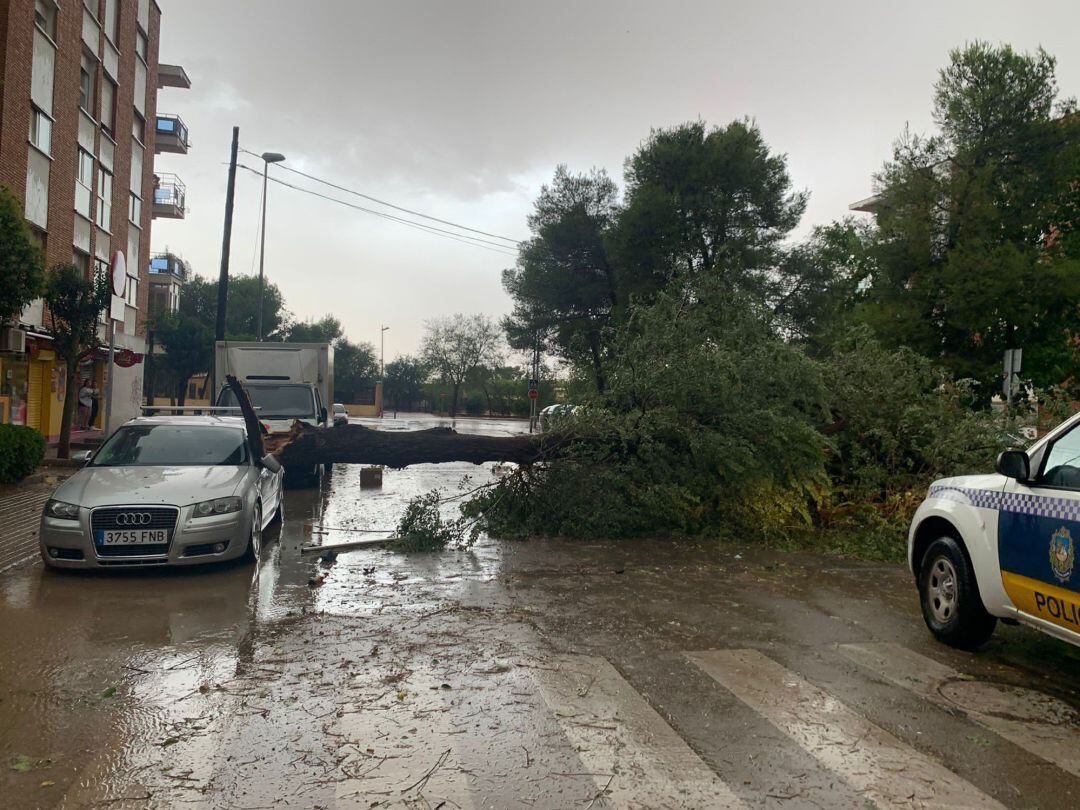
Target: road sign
[
  {"x": 534, "y": 385},
  {"x": 119, "y": 273},
  {"x": 533, "y": 393}
]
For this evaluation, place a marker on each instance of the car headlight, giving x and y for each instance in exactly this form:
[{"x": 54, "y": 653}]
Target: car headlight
[
  {"x": 218, "y": 506},
  {"x": 61, "y": 510}
]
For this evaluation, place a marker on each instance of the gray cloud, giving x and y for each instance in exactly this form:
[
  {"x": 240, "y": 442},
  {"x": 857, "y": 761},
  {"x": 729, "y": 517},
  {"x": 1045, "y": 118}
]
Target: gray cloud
[{"x": 462, "y": 109}]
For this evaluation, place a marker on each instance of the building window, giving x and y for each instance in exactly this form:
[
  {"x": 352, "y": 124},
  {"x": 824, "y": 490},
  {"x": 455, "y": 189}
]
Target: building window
[
  {"x": 111, "y": 20},
  {"x": 86, "y": 84},
  {"x": 82, "y": 261},
  {"x": 108, "y": 105},
  {"x": 132, "y": 296},
  {"x": 138, "y": 128},
  {"x": 41, "y": 130},
  {"x": 101, "y": 268},
  {"x": 135, "y": 208},
  {"x": 45, "y": 17},
  {"x": 105, "y": 191},
  {"x": 84, "y": 182},
  {"x": 140, "y": 44}
]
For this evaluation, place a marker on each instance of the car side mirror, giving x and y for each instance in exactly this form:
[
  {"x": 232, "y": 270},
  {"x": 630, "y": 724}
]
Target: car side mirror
[
  {"x": 271, "y": 463},
  {"x": 1014, "y": 464},
  {"x": 84, "y": 456},
  {"x": 322, "y": 414}
]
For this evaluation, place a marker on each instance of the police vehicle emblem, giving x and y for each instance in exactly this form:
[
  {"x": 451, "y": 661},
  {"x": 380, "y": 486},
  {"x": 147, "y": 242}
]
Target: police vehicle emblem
[{"x": 1062, "y": 554}]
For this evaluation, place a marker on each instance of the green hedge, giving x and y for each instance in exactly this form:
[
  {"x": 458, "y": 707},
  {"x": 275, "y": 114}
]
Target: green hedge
[{"x": 21, "y": 450}]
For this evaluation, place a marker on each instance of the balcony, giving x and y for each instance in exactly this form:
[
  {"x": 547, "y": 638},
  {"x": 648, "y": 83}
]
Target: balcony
[
  {"x": 167, "y": 268},
  {"x": 172, "y": 76},
  {"x": 169, "y": 197},
  {"x": 172, "y": 135}
]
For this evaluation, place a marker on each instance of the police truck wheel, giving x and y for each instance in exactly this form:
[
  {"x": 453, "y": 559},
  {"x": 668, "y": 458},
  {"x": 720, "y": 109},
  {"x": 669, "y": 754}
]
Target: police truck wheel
[{"x": 949, "y": 594}]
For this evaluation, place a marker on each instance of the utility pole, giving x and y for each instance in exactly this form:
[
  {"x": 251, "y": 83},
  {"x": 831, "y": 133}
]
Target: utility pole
[
  {"x": 535, "y": 378},
  {"x": 226, "y": 241}
]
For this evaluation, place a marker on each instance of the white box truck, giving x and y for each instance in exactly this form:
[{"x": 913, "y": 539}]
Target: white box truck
[{"x": 285, "y": 381}]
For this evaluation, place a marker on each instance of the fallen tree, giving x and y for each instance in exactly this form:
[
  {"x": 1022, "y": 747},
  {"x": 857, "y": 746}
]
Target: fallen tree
[{"x": 306, "y": 446}]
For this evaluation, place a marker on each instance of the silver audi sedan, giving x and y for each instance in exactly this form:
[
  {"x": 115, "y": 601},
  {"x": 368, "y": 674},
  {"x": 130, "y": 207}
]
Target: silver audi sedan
[{"x": 164, "y": 490}]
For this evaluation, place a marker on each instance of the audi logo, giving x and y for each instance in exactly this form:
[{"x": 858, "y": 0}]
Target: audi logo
[{"x": 133, "y": 519}]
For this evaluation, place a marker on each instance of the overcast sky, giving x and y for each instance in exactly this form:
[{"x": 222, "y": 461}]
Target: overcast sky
[{"x": 463, "y": 109}]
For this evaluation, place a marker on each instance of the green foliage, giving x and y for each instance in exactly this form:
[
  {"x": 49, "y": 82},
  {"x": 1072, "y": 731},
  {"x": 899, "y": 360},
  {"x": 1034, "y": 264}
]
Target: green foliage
[
  {"x": 242, "y": 311},
  {"x": 404, "y": 381},
  {"x": 564, "y": 286},
  {"x": 355, "y": 367},
  {"x": 422, "y": 527},
  {"x": 21, "y": 450},
  {"x": 453, "y": 347},
  {"x": 21, "y": 264},
  {"x": 978, "y": 248},
  {"x": 705, "y": 203},
  {"x": 820, "y": 282},
  {"x": 75, "y": 302},
  {"x": 691, "y": 436},
  {"x": 325, "y": 330},
  {"x": 901, "y": 421}
]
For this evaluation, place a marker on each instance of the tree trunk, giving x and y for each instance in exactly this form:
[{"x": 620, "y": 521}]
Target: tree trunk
[
  {"x": 453, "y": 404},
  {"x": 71, "y": 401},
  {"x": 598, "y": 366},
  {"x": 181, "y": 391},
  {"x": 306, "y": 446}
]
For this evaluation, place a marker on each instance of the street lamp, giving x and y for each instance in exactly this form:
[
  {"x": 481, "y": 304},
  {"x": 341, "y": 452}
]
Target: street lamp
[
  {"x": 382, "y": 353},
  {"x": 268, "y": 158}
]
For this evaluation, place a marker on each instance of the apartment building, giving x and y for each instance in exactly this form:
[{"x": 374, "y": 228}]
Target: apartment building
[{"x": 79, "y": 127}]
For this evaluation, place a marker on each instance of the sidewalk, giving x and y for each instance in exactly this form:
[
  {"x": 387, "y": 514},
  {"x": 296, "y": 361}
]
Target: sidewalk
[{"x": 20, "y": 511}]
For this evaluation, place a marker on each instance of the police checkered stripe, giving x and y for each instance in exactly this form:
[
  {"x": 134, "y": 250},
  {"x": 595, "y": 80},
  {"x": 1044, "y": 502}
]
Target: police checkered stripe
[{"x": 1020, "y": 502}]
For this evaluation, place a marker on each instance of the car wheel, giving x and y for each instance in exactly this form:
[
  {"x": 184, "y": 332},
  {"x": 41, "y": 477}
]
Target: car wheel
[
  {"x": 949, "y": 594},
  {"x": 254, "y": 546}
]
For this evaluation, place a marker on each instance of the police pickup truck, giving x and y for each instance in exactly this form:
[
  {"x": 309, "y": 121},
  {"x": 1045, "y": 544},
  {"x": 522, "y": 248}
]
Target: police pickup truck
[{"x": 1003, "y": 546}]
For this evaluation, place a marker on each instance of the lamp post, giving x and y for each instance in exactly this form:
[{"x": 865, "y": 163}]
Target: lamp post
[
  {"x": 268, "y": 158},
  {"x": 382, "y": 366},
  {"x": 382, "y": 353}
]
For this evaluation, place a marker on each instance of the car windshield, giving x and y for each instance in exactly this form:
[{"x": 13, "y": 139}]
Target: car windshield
[
  {"x": 339, "y": 409},
  {"x": 172, "y": 446},
  {"x": 276, "y": 401}
]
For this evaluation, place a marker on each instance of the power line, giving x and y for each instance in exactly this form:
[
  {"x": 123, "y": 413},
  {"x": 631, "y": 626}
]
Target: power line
[
  {"x": 384, "y": 202},
  {"x": 457, "y": 237}
]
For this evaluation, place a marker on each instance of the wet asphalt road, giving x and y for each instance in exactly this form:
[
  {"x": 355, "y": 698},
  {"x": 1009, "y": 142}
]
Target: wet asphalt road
[{"x": 541, "y": 674}]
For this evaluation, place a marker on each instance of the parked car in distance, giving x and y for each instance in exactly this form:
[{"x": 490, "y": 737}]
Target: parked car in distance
[
  {"x": 553, "y": 413},
  {"x": 341, "y": 416},
  {"x": 164, "y": 490},
  {"x": 1003, "y": 546}
]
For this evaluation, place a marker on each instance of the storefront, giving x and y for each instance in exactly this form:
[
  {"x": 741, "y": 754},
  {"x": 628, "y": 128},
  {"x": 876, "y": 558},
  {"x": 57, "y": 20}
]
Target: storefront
[{"x": 14, "y": 382}]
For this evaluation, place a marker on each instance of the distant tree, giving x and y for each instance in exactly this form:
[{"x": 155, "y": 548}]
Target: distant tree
[
  {"x": 979, "y": 247},
  {"x": 187, "y": 335},
  {"x": 21, "y": 265},
  {"x": 454, "y": 346},
  {"x": 705, "y": 202},
  {"x": 565, "y": 286},
  {"x": 404, "y": 382},
  {"x": 327, "y": 329},
  {"x": 243, "y": 309},
  {"x": 355, "y": 368},
  {"x": 74, "y": 303}
]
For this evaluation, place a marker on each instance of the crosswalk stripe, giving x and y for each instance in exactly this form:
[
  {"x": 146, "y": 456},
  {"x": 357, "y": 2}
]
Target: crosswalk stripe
[
  {"x": 638, "y": 759},
  {"x": 1037, "y": 723},
  {"x": 887, "y": 771}
]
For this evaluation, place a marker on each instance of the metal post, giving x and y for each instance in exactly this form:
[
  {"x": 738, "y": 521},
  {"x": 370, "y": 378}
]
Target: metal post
[
  {"x": 262, "y": 252},
  {"x": 108, "y": 374},
  {"x": 226, "y": 240}
]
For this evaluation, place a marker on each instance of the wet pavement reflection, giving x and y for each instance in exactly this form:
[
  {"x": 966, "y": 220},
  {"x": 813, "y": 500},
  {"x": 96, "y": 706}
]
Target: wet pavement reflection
[{"x": 541, "y": 674}]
